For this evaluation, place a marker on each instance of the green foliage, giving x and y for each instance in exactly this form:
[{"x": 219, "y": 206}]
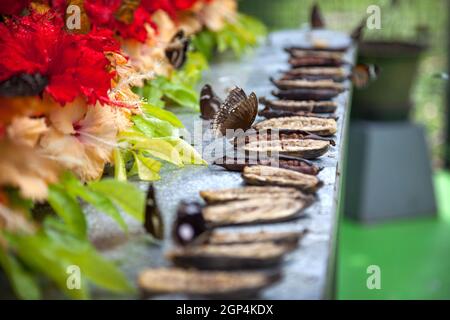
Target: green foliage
[
  {"x": 51, "y": 251},
  {"x": 146, "y": 168},
  {"x": 125, "y": 195},
  {"x": 146, "y": 147},
  {"x": 162, "y": 114},
  {"x": 101, "y": 202},
  {"x": 68, "y": 209},
  {"x": 22, "y": 282},
  {"x": 120, "y": 171},
  {"x": 238, "y": 36},
  {"x": 153, "y": 127}
]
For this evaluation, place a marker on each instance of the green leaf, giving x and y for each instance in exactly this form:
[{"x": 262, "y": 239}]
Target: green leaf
[
  {"x": 132, "y": 136},
  {"x": 92, "y": 265},
  {"x": 182, "y": 95},
  {"x": 68, "y": 209},
  {"x": 147, "y": 168},
  {"x": 162, "y": 114},
  {"x": 153, "y": 127},
  {"x": 191, "y": 72},
  {"x": 120, "y": 172},
  {"x": 187, "y": 152},
  {"x": 204, "y": 42},
  {"x": 42, "y": 254},
  {"x": 124, "y": 194},
  {"x": 161, "y": 149},
  {"x": 98, "y": 200},
  {"x": 22, "y": 282},
  {"x": 151, "y": 93}
]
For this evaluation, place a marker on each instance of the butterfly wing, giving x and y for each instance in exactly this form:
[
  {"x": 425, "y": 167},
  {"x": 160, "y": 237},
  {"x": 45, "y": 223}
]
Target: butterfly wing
[
  {"x": 241, "y": 114},
  {"x": 209, "y": 102},
  {"x": 363, "y": 74},
  {"x": 317, "y": 20},
  {"x": 176, "y": 51},
  {"x": 235, "y": 96}
]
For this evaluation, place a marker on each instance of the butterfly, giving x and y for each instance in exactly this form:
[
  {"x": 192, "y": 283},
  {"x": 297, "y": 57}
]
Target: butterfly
[
  {"x": 125, "y": 13},
  {"x": 209, "y": 102},
  {"x": 237, "y": 112},
  {"x": 363, "y": 74},
  {"x": 153, "y": 222},
  {"x": 177, "y": 49},
  {"x": 357, "y": 33},
  {"x": 317, "y": 21},
  {"x": 23, "y": 85}
]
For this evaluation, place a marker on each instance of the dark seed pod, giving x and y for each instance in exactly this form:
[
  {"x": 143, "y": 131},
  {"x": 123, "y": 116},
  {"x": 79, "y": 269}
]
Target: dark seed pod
[
  {"x": 304, "y": 148},
  {"x": 282, "y": 161},
  {"x": 319, "y": 48},
  {"x": 189, "y": 223},
  {"x": 311, "y": 125},
  {"x": 316, "y": 73},
  {"x": 268, "y": 113},
  {"x": 229, "y": 256},
  {"x": 307, "y": 84},
  {"x": 300, "y": 106},
  {"x": 315, "y": 62},
  {"x": 153, "y": 221},
  {"x": 251, "y": 192},
  {"x": 296, "y": 53},
  {"x": 306, "y": 94},
  {"x": 288, "y": 238},
  {"x": 270, "y": 143},
  {"x": 257, "y": 210},
  {"x": 312, "y": 77},
  {"x": 23, "y": 85},
  {"x": 264, "y": 176},
  {"x": 211, "y": 284},
  {"x": 269, "y": 134}
]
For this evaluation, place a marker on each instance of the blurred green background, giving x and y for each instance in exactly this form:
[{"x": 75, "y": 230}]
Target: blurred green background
[
  {"x": 413, "y": 255},
  {"x": 400, "y": 20}
]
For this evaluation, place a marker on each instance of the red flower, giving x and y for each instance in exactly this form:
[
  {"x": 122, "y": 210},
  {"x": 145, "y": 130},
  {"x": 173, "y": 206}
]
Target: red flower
[
  {"x": 74, "y": 64},
  {"x": 102, "y": 14},
  {"x": 13, "y": 6},
  {"x": 172, "y": 7}
]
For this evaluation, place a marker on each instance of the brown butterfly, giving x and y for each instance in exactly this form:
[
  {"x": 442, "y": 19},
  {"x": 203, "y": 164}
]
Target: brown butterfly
[
  {"x": 237, "y": 112},
  {"x": 177, "y": 49},
  {"x": 363, "y": 74},
  {"x": 209, "y": 102},
  {"x": 125, "y": 13},
  {"x": 317, "y": 21}
]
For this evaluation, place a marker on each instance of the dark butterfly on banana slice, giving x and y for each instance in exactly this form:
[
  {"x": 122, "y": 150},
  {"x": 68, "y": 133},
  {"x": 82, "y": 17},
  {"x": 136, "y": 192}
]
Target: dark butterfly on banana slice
[
  {"x": 177, "y": 49},
  {"x": 23, "y": 85},
  {"x": 209, "y": 102},
  {"x": 237, "y": 112}
]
